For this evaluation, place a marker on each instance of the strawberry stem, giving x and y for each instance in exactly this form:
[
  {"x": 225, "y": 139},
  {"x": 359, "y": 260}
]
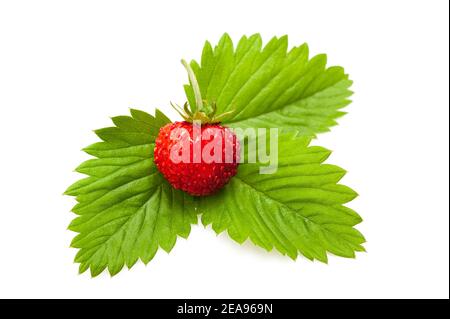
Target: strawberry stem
[{"x": 195, "y": 86}]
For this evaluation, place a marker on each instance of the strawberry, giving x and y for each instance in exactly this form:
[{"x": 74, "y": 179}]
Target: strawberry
[
  {"x": 197, "y": 173},
  {"x": 198, "y": 155}
]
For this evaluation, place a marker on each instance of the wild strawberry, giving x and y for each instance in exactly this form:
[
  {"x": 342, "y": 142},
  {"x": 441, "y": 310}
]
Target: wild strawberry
[
  {"x": 197, "y": 160},
  {"x": 198, "y": 156}
]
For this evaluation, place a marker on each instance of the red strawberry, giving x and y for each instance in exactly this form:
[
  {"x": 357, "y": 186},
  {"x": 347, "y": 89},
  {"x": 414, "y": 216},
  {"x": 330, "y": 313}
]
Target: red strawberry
[
  {"x": 197, "y": 166},
  {"x": 197, "y": 158}
]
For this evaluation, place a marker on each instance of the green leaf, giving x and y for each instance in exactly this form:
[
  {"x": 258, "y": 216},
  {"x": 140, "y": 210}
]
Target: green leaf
[
  {"x": 298, "y": 209},
  {"x": 126, "y": 209},
  {"x": 271, "y": 86}
]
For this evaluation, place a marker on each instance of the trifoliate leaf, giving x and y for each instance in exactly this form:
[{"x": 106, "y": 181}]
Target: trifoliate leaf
[
  {"x": 298, "y": 209},
  {"x": 271, "y": 86},
  {"x": 126, "y": 208}
]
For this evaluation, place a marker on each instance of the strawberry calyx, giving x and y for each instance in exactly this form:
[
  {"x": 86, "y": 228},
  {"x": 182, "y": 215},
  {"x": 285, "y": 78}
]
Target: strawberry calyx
[
  {"x": 203, "y": 111},
  {"x": 204, "y": 117}
]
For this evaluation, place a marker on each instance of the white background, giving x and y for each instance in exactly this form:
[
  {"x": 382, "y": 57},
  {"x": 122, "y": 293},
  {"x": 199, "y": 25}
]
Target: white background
[{"x": 66, "y": 66}]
